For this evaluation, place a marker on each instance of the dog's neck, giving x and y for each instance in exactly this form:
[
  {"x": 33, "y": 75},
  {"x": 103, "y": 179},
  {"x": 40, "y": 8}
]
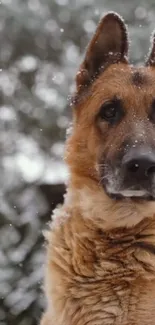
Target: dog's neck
[
  {"x": 125, "y": 228},
  {"x": 93, "y": 203}
]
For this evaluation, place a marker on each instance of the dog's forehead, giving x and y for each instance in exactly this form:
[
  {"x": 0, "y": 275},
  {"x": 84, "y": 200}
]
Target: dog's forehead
[
  {"x": 129, "y": 75},
  {"x": 126, "y": 82}
]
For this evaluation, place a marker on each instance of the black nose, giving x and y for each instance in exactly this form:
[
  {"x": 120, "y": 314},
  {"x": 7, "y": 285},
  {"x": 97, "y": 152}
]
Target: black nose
[{"x": 139, "y": 164}]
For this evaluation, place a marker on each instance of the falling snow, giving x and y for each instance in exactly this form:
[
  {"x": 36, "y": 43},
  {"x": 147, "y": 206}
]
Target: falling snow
[{"x": 42, "y": 45}]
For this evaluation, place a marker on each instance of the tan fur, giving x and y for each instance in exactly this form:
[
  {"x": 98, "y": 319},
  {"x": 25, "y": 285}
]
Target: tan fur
[
  {"x": 100, "y": 266},
  {"x": 96, "y": 276}
]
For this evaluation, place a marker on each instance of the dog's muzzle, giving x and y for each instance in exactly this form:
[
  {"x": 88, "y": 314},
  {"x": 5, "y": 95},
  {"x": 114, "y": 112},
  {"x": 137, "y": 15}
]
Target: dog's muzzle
[{"x": 133, "y": 177}]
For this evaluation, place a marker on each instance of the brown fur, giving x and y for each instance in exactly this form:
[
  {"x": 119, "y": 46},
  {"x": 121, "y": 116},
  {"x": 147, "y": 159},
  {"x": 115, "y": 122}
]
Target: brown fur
[
  {"x": 139, "y": 79},
  {"x": 101, "y": 252}
]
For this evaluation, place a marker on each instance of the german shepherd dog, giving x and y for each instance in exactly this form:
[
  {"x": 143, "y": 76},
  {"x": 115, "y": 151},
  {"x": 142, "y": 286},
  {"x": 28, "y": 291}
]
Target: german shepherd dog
[{"x": 100, "y": 266}]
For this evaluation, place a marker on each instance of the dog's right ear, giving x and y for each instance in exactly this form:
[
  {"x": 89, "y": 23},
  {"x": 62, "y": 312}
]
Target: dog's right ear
[{"x": 108, "y": 45}]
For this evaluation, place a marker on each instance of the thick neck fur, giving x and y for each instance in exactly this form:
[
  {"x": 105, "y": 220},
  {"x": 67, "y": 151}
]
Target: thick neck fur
[
  {"x": 101, "y": 259},
  {"x": 93, "y": 203},
  {"x": 126, "y": 227}
]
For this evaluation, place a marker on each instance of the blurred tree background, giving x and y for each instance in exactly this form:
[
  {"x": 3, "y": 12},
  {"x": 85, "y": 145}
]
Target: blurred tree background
[{"x": 41, "y": 45}]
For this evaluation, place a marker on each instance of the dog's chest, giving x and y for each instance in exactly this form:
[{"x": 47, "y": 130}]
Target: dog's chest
[
  {"x": 112, "y": 286},
  {"x": 94, "y": 283},
  {"x": 118, "y": 301}
]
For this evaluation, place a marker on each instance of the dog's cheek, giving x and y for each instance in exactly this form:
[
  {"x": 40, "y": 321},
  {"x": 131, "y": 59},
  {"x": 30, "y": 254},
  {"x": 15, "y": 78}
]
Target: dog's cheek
[
  {"x": 78, "y": 155},
  {"x": 94, "y": 144}
]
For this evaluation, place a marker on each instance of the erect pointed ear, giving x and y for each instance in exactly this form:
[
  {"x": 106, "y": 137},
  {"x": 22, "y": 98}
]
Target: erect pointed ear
[
  {"x": 108, "y": 45},
  {"x": 150, "y": 61}
]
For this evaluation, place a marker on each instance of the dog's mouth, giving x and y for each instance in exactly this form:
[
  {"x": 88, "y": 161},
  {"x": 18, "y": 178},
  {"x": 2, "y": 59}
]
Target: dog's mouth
[
  {"x": 136, "y": 195},
  {"x": 118, "y": 187}
]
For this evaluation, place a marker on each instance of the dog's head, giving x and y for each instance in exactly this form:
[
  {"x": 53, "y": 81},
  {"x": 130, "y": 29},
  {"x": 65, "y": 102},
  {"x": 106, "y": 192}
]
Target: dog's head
[{"x": 113, "y": 137}]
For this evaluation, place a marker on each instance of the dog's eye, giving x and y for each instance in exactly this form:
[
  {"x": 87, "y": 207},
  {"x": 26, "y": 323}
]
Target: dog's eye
[
  {"x": 108, "y": 111},
  {"x": 111, "y": 112}
]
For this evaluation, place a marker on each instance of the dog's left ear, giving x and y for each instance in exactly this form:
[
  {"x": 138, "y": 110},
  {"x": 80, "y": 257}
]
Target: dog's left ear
[
  {"x": 150, "y": 61},
  {"x": 109, "y": 45}
]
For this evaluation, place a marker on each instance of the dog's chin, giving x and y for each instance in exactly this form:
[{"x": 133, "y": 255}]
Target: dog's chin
[{"x": 136, "y": 195}]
